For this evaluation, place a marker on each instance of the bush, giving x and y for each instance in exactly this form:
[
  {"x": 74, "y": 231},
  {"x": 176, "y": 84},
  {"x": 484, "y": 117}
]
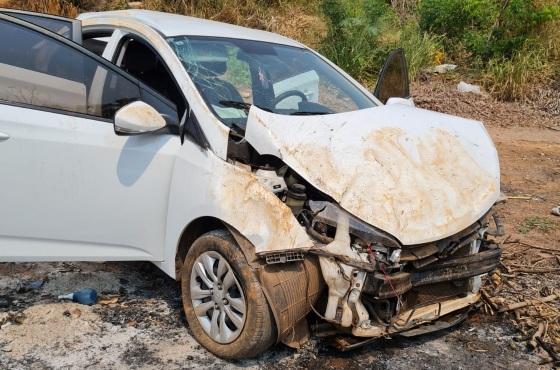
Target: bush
[
  {"x": 361, "y": 34},
  {"x": 487, "y": 28},
  {"x": 517, "y": 77},
  {"x": 354, "y": 33}
]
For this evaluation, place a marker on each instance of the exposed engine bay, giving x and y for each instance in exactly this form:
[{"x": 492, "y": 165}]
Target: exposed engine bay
[
  {"x": 400, "y": 217},
  {"x": 376, "y": 285}
]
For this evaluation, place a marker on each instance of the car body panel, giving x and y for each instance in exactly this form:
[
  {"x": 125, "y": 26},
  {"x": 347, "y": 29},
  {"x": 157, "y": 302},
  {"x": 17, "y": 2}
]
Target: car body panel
[
  {"x": 178, "y": 25},
  {"x": 72, "y": 189},
  {"x": 231, "y": 194},
  {"x": 418, "y": 175}
]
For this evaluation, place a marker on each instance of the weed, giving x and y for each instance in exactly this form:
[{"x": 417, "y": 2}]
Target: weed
[
  {"x": 361, "y": 34},
  {"x": 516, "y": 78},
  {"x": 535, "y": 222},
  {"x": 58, "y": 7},
  {"x": 296, "y": 19}
]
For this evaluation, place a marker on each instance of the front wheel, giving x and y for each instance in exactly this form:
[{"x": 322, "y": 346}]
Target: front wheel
[{"x": 224, "y": 304}]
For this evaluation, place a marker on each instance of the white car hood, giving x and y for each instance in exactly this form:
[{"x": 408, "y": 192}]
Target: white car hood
[{"x": 416, "y": 174}]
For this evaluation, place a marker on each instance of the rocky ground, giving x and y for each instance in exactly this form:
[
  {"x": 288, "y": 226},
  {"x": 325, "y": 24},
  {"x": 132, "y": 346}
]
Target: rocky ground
[{"x": 138, "y": 322}]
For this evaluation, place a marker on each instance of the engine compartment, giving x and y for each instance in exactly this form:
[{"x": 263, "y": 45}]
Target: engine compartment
[{"x": 372, "y": 278}]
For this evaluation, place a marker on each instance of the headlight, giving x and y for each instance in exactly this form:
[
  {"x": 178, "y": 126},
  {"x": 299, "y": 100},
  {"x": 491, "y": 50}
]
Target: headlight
[{"x": 322, "y": 224}]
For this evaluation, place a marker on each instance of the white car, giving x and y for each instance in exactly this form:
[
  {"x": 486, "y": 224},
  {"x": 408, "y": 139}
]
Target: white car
[{"x": 249, "y": 168}]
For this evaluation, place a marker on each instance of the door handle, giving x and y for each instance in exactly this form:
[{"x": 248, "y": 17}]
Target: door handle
[{"x": 4, "y": 136}]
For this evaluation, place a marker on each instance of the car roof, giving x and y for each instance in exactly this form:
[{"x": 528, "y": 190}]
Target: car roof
[{"x": 175, "y": 25}]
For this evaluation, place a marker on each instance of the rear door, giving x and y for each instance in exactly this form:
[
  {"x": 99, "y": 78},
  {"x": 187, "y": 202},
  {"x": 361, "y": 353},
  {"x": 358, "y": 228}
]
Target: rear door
[
  {"x": 70, "y": 189},
  {"x": 65, "y": 27}
]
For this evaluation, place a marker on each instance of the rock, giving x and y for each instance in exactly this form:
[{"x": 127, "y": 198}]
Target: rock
[
  {"x": 556, "y": 211},
  {"x": 5, "y": 302},
  {"x": 464, "y": 87},
  {"x": 444, "y": 68}
]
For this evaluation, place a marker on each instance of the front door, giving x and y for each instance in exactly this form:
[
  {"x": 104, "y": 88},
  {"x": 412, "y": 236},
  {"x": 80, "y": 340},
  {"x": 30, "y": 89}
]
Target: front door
[{"x": 70, "y": 189}]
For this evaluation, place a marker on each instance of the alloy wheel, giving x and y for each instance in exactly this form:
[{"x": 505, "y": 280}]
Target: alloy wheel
[{"x": 217, "y": 297}]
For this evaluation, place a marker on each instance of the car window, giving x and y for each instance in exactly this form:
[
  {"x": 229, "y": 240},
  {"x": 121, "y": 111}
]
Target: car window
[
  {"x": 142, "y": 62},
  {"x": 65, "y": 27},
  {"x": 233, "y": 74},
  {"x": 96, "y": 45},
  {"x": 41, "y": 71},
  {"x": 60, "y": 26}
]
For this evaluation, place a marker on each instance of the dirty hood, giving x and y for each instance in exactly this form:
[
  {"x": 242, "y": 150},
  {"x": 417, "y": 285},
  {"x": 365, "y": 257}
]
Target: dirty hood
[{"x": 416, "y": 174}]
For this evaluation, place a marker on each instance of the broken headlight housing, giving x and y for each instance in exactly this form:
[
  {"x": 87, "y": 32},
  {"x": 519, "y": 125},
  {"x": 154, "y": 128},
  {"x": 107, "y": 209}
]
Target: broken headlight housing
[{"x": 321, "y": 218}]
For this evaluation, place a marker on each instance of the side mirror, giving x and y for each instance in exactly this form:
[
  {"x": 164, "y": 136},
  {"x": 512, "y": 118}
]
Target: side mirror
[
  {"x": 408, "y": 102},
  {"x": 393, "y": 79},
  {"x": 138, "y": 118}
]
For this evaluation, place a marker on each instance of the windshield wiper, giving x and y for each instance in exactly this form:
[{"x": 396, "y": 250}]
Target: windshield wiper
[
  {"x": 241, "y": 105},
  {"x": 304, "y": 113}
]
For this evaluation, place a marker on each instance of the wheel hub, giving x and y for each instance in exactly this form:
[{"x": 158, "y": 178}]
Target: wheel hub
[{"x": 217, "y": 297}]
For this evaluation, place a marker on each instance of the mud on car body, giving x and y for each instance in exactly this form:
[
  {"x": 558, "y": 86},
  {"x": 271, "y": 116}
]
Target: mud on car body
[{"x": 248, "y": 167}]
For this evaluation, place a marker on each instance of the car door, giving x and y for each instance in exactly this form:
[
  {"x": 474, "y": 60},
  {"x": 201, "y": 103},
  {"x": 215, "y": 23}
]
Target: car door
[{"x": 70, "y": 188}]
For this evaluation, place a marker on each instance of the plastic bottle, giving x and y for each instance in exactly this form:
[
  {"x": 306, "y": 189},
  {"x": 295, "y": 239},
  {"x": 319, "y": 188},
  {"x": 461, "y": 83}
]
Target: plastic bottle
[{"x": 86, "y": 296}]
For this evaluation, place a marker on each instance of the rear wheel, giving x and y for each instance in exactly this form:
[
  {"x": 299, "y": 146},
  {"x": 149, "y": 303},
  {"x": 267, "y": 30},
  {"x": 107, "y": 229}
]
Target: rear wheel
[{"x": 223, "y": 300}]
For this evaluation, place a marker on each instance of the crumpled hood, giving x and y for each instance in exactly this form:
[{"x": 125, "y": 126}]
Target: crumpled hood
[{"x": 416, "y": 174}]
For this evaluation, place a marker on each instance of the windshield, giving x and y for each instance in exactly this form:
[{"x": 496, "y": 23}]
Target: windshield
[{"x": 234, "y": 74}]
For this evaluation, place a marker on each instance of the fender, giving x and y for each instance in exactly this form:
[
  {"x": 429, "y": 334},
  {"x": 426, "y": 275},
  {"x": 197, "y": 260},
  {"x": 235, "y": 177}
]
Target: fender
[{"x": 231, "y": 194}]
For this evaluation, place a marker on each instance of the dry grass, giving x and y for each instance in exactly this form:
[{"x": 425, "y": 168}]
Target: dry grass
[
  {"x": 64, "y": 8},
  {"x": 519, "y": 77},
  {"x": 294, "y": 19}
]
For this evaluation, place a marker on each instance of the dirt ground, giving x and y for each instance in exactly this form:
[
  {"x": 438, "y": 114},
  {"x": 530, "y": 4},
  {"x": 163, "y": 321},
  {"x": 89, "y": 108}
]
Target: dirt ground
[{"x": 139, "y": 322}]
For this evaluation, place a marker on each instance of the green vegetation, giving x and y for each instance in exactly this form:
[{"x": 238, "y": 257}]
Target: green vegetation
[
  {"x": 512, "y": 44},
  {"x": 361, "y": 34},
  {"x": 535, "y": 222},
  {"x": 509, "y": 46}
]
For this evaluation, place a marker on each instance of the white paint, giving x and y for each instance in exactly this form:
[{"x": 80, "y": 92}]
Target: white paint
[
  {"x": 138, "y": 117},
  {"x": 72, "y": 189},
  {"x": 419, "y": 175},
  {"x": 216, "y": 132},
  {"x": 178, "y": 25},
  {"x": 408, "y": 102}
]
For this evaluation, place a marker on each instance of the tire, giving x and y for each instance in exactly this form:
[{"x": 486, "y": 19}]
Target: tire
[{"x": 218, "y": 326}]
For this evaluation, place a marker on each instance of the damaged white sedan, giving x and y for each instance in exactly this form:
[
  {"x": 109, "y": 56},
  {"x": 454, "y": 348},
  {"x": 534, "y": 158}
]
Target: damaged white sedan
[{"x": 247, "y": 166}]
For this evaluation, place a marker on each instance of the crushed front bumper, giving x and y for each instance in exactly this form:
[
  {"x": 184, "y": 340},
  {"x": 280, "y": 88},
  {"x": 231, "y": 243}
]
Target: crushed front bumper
[{"x": 401, "y": 301}]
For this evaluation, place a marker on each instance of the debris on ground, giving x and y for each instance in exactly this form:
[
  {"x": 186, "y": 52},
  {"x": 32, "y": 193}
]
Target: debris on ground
[
  {"x": 534, "y": 309},
  {"x": 464, "y": 87},
  {"x": 85, "y": 296},
  {"x": 443, "y": 68}
]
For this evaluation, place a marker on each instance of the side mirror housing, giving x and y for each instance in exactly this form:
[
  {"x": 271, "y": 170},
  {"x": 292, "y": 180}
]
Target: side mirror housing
[
  {"x": 402, "y": 101},
  {"x": 393, "y": 80},
  {"x": 138, "y": 118}
]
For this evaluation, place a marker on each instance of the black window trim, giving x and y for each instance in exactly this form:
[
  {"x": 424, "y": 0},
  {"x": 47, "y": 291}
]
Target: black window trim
[
  {"x": 131, "y": 35},
  {"x": 98, "y": 59},
  {"x": 194, "y": 130},
  {"x": 76, "y": 23}
]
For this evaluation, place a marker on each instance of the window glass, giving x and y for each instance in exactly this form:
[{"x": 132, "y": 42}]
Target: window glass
[
  {"x": 60, "y": 26},
  {"x": 233, "y": 74},
  {"x": 96, "y": 45},
  {"x": 147, "y": 66},
  {"x": 40, "y": 71}
]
